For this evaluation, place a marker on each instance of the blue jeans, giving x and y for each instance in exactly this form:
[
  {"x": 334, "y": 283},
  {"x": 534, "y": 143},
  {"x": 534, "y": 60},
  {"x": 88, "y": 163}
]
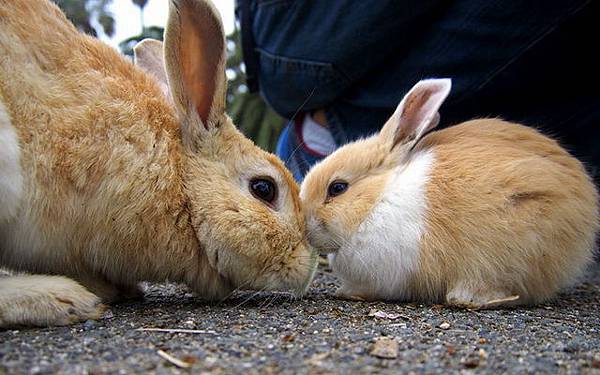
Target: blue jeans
[{"x": 526, "y": 61}]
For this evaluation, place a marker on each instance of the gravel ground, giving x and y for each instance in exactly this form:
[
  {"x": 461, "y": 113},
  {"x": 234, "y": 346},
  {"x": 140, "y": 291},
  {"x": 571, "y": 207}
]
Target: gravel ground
[{"x": 269, "y": 333}]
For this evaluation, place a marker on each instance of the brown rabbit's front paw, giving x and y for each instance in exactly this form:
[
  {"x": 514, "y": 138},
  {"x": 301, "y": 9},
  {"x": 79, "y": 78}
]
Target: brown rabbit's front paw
[
  {"x": 67, "y": 311},
  {"x": 46, "y": 301},
  {"x": 71, "y": 305}
]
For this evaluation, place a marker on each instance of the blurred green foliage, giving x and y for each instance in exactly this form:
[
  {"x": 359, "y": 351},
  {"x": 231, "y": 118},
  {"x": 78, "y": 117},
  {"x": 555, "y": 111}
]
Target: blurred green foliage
[
  {"x": 247, "y": 110},
  {"x": 152, "y": 32},
  {"x": 84, "y": 14}
]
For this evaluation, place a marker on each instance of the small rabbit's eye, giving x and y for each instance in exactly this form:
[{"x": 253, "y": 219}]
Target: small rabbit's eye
[
  {"x": 263, "y": 188},
  {"x": 336, "y": 188}
]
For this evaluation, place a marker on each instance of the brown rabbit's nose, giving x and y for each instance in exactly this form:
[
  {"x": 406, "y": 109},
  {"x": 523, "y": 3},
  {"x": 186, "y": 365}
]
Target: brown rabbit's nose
[{"x": 312, "y": 269}]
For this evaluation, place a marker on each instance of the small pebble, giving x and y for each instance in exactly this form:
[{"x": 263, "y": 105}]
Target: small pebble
[
  {"x": 482, "y": 354},
  {"x": 471, "y": 362},
  {"x": 385, "y": 348}
]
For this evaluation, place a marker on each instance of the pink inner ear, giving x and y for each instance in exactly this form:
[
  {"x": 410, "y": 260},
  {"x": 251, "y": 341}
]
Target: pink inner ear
[
  {"x": 417, "y": 113},
  {"x": 200, "y": 53},
  {"x": 416, "y": 108},
  {"x": 414, "y": 112}
]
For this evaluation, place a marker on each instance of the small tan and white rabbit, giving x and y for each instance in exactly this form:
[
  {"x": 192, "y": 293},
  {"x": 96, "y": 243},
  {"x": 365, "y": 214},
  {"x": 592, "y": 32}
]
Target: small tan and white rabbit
[
  {"x": 485, "y": 213},
  {"x": 105, "y": 181}
]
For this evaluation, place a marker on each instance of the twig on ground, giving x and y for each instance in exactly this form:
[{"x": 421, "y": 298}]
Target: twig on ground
[
  {"x": 169, "y": 358},
  {"x": 177, "y": 330}
]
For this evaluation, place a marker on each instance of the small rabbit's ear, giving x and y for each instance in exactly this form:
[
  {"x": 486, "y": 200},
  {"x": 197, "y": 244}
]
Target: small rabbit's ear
[
  {"x": 195, "y": 63},
  {"x": 148, "y": 55},
  {"x": 417, "y": 113}
]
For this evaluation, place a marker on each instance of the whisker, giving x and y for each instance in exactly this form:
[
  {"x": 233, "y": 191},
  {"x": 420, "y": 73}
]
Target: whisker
[
  {"x": 304, "y": 163},
  {"x": 275, "y": 297},
  {"x": 237, "y": 289},
  {"x": 287, "y": 161},
  {"x": 312, "y": 92},
  {"x": 291, "y": 121},
  {"x": 270, "y": 297},
  {"x": 250, "y": 298}
]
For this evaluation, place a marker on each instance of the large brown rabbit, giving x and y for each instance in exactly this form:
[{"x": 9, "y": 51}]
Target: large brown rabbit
[{"x": 106, "y": 180}]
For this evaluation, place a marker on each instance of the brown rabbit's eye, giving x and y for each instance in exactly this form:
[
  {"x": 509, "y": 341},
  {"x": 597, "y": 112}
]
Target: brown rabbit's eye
[
  {"x": 336, "y": 188},
  {"x": 264, "y": 189}
]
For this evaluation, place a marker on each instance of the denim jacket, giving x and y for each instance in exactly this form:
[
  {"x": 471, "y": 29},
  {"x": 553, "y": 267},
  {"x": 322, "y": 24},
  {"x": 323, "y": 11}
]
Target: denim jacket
[{"x": 525, "y": 61}]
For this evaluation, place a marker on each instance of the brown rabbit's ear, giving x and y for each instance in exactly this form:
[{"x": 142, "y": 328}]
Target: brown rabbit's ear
[
  {"x": 148, "y": 55},
  {"x": 195, "y": 63},
  {"x": 417, "y": 113}
]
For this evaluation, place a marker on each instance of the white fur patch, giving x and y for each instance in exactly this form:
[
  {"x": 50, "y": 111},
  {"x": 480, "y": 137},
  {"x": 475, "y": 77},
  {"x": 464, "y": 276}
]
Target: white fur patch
[
  {"x": 11, "y": 177},
  {"x": 384, "y": 252}
]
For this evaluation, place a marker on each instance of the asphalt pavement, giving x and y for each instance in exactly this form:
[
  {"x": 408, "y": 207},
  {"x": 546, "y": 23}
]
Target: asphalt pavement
[{"x": 270, "y": 333}]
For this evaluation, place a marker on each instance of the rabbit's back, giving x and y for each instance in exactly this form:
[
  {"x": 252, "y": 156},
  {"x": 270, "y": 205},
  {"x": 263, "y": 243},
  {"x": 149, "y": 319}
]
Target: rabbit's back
[
  {"x": 37, "y": 28},
  {"x": 81, "y": 111},
  {"x": 96, "y": 144},
  {"x": 38, "y": 43},
  {"x": 509, "y": 206},
  {"x": 48, "y": 67}
]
